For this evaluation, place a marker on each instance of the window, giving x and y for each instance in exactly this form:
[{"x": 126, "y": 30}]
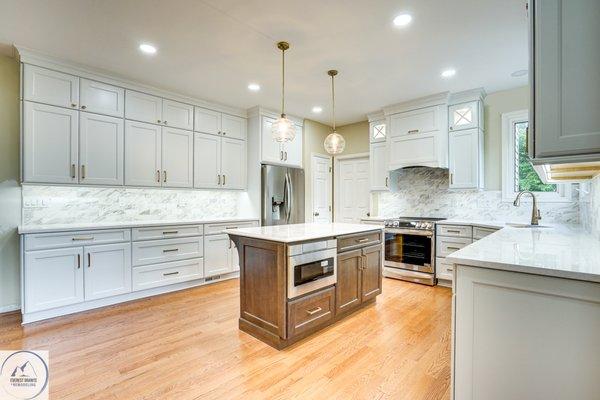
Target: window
[{"x": 518, "y": 173}]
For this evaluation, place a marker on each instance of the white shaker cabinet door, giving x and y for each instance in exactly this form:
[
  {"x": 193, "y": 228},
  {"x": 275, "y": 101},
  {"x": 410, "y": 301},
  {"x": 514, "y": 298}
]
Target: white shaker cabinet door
[
  {"x": 270, "y": 149},
  {"x": 464, "y": 116},
  {"x": 177, "y": 158},
  {"x": 143, "y": 107},
  {"x": 50, "y": 87},
  {"x": 207, "y": 161},
  {"x": 233, "y": 163},
  {"x": 207, "y": 121},
  {"x": 216, "y": 255},
  {"x": 292, "y": 155},
  {"x": 142, "y": 154},
  {"x": 463, "y": 150},
  {"x": 107, "y": 270},
  {"x": 378, "y": 167},
  {"x": 233, "y": 127},
  {"x": 101, "y": 149},
  {"x": 50, "y": 144},
  {"x": 178, "y": 115},
  {"x": 97, "y": 97},
  {"x": 53, "y": 278}
]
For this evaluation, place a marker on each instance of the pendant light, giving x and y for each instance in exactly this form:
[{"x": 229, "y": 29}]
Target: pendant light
[
  {"x": 283, "y": 129},
  {"x": 334, "y": 142}
]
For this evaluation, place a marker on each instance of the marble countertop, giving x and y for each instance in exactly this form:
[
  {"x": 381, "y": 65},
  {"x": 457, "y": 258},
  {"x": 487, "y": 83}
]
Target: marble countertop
[
  {"x": 557, "y": 250},
  {"x": 302, "y": 232},
  {"x": 481, "y": 223},
  {"x": 25, "y": 229}
]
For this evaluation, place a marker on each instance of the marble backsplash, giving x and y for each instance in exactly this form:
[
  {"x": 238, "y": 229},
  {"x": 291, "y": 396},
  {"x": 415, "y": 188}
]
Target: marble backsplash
[
  {"x": 423, "y": 192},
  {"x": 50, "y": 205}
]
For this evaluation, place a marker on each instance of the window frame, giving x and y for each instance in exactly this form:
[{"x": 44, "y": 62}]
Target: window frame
[{"x": 564, "y": 192}]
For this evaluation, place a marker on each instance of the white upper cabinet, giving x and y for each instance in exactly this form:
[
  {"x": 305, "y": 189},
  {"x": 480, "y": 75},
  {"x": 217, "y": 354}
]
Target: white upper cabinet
[
  {"x": 233, "y": 127},
  {"x": 101, "y": 98},
  {"x": 178, "y": 115},
  {"x": 417, "y": 122},
  {"x": 50, "y": 136},
  {"x": 107, "y": 270},
  {"x": 177, "y": 157},
  {"x": 465, "y": 161},
  {"x": 143, "y": 107},
  {"x": 207, "y": 161},
  {"x": 142, "y": 154},
  {"x": 465, "y": 116},
  {"x": 378, "y": 166},
  {"x": 270, "y": 149},
  {"x": 207, "y": 121},
  {"x": 101, "y": 153},
  {"x": 292, "y": 151},
  {"x": 233, "y": 163},
  {"x": 50, "y": 87},
  {"x": 377, "y": 131}
]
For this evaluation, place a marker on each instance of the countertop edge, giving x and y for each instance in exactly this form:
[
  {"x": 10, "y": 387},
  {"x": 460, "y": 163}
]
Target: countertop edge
[{"x": 270, "y": 238}]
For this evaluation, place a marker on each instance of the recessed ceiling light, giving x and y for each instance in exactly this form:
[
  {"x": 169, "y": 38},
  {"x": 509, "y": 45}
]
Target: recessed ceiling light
[
  {"x": 147, "y": 48},
  {"x": 402, "y": 20},
  {"x": 317, "y": 109},
  {"x": 449, "y": 73},
  {"x": 255, "y": 87},
  {"x": 521, "y": 72}
]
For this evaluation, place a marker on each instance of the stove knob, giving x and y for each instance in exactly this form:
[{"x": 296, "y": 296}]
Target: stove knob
[
  {"x": 419, "y": 225},
  {"x": 396, "y": 223}
]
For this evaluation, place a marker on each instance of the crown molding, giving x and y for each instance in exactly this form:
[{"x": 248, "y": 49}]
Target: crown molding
[
  {"x": 422, "y": 102},
  {"x": 477, "y": 94},
  {"x": 376, "y": 116},
  {"x": 260, "y": 110}
]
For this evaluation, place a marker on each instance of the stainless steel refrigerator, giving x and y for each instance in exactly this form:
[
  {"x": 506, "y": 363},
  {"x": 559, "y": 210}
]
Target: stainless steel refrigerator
[{"x": 282, "y": 195}]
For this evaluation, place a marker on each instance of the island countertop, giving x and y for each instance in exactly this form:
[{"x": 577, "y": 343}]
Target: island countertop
[{"x": 302, "y": 232}]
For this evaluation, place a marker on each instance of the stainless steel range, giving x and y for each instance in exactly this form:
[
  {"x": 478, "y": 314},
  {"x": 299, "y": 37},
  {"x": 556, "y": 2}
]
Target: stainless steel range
[{"x": 410, "y": 249}]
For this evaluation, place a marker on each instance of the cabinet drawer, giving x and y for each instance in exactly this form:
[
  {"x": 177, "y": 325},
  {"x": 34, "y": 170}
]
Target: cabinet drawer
[
  {"x": 359, "y": 240},
  {"x": 455, "y": 231},
  {"x": 157, "y": 251},
  {"x": 167, "y": 273},
  {"x": 448, "y": 245},
  {"x": 215, "y": 229},
  {"x": 443, "y": 269},
  {"x": 166, "y": 232},
  {"x": 310, "y": 311},
  {"x": 38, "y": 241},
  {"x": 480, "y": 233}
]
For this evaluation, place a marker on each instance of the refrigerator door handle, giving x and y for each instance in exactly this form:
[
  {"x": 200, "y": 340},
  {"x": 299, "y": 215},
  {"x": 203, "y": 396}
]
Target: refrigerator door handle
[
  {"x": 285, "y": 198},
  {"x": 290, "y": 197}
]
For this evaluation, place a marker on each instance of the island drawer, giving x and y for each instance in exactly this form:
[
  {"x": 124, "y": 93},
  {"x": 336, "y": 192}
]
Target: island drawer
[
  {"x": 158, "y": 251},
  {"x": 448, "y": 245},
  {"x": 455, "y": 230},
  {"x": 480, "y": 233},
  {"x": 310, "y": 311},
  {"x": 443, "y": 269},
  {"x": 42, "y": 241},
  {"x": 358, "y": 240},
  {"x": 215, "y": 229},
  {"x": 165, "y": 232},
  {"x": 151, "y": 276}
]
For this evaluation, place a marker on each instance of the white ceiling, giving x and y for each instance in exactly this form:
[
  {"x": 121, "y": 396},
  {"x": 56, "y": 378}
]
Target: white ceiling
[{"x": 212, "y": 49}]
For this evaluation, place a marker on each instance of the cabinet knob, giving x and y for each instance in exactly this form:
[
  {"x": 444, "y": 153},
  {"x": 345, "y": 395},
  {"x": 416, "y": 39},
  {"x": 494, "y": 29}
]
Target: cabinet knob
[
  {"x": 224, "y": 133},
  {"x": 83, "y": 107},
  {"x": 165, "y": 122},
  {"x": 73, "y": 104},
  {"x": 158, "y": 121},
  {"x": 316, "y": 214}
]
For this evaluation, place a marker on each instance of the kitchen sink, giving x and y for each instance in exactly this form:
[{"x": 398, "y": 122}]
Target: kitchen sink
[{"x": 512, "y": 225}]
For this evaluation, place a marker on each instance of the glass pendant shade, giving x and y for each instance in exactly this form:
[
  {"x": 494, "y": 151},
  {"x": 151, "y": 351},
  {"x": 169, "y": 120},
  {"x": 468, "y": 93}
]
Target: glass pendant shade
[
  {"x": 283, "y": 130},
  {"x": 334, "y": 143}
]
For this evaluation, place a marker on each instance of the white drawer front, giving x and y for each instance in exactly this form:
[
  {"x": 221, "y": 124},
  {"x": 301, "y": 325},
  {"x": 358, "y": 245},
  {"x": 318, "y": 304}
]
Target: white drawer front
[
  {"x": 157, "y": 251},
  {"x": 448, "y": 245},
  {"x": 39, "y": 241},
  {"x": 166, "y": 232},
  {"x": 215, "y": 229},
  {"x": 455, "y": 230},
  {"x": 480, "y": 233},
  {"x": 443, "y": 269},
  {"x": 166, "y": 274}
]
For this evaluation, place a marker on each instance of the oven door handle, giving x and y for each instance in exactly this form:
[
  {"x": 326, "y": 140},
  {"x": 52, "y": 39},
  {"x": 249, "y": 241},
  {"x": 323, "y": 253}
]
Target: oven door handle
[{"x": 409, "y": 232}]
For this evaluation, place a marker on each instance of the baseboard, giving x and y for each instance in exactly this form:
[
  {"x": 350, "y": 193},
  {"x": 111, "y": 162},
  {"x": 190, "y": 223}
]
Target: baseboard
[{"x": 10, "y": 308}]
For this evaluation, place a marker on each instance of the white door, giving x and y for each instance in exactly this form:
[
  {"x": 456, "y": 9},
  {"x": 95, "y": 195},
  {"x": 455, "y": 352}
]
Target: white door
[
  {"x": 207, "y": 161},
  {"x": 178, "y": 115},
  {"x": 321, "y": 189},
  {"x": 143, "y": 107},
  {"x": 50, "y": 87},
  {"x": 216, "y": 255},
  {"x": 352, "y": 190},
  {"x": 207, "y": 121},
  {"x": 107, "y": 270},
  {"x": 233, "y": 163},
  {"x": 142, "y": 154},
  {"x": 292, "y": 151},
  {"x": 177, "y": 157},
  {"x": 233, "y": 127},
  {"x": 53, "y": 278},
  {"x": 101, "y": 142},
  {"x": 270, "y": 149},
  {"x": 101, "y": 98},
  {"x": 50, "y": 143},
  {"x": 463, "y": 150},
  {"x": 378, "y": 166}
]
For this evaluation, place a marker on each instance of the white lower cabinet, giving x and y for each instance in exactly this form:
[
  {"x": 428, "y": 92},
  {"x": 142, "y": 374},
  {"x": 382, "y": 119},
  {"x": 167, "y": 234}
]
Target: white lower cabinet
[
  {"x": 216, "y": 255},
  {"x": 107, "y": 270},
  {"x": 150, "y": 276}
]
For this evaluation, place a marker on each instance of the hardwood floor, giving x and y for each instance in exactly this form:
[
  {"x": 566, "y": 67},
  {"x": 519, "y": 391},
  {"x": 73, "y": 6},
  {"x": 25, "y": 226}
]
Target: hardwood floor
[{"x": 187, "y": 345}]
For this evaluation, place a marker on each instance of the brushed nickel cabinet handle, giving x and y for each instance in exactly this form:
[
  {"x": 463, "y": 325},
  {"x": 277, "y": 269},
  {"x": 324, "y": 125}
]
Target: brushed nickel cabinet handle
[
  {"x": 286, "y": 156},
  {"x": 73, "y": 171},
  {"x": 76, "y": 238},
  {"x": 171, "y": 273},
  {"x": 169, "y": 250},
  {"x": 170, "y": 232},
  {"x": 413, "y": 131},
  {"x": 314, "y": 311},
  {"x": 165, "y": 176},
  {"x": 78, "y": 261},
  {"x": 83, "y": 172},
  {"x": 452, "y": 231},
  {"x": 386, "y": 181},
  {"x": 158, "y": 176},
  {"x": 363, "y": 240},
  {"x": 281, "y": 155},
  {"x": 219, "y": 179},
  {"x": 451, "y": 178},
  {"x": 232, "y": 227},
  {"x": 453, "y": 248},
  {"x": 223, "y": 179},
  {"x": 89, "y": 260}
]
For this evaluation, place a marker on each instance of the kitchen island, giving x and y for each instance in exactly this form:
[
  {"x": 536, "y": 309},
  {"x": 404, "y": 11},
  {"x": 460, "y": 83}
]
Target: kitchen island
[{"x": 297, "y": 279}]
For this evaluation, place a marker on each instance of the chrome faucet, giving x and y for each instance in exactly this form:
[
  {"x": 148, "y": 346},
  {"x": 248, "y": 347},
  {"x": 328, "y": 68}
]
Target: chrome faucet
[{"x": 535, "y": 212}]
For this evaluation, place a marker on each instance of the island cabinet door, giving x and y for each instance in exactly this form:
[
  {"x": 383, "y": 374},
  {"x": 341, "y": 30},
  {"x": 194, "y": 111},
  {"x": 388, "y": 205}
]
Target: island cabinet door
[
  {"x": 371, "y": 272},
  {"x": 348, "y": 288}
]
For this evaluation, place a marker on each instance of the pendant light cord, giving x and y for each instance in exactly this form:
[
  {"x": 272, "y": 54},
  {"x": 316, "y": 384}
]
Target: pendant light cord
[
  {"x": 282, "y": 83},
  {"x": 333, "y": 101}
]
